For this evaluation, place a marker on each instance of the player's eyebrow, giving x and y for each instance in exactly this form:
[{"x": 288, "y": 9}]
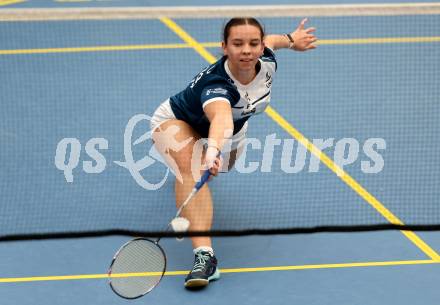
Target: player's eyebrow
[{"x": 241, "y": 40}]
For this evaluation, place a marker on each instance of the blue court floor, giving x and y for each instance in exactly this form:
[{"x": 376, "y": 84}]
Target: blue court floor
[{"x": 57, "y": 77}]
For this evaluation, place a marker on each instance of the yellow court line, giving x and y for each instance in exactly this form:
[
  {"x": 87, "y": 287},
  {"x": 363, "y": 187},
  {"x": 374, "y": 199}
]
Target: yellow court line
[
  {"x": 73, "y": 0},
  {"x": 230, "y": 270},
  {"x": 188, "y": 39},
  {"x": 331, "y": 266},
  {"x": 382, "y": 40},
  {"x": 94, "y": 49},
  {"x": 191, "y": 44},
  {"x": 314, "y": 150},
  {"x": 353, "y": 184},
  {"x": 8, "y": 2}
]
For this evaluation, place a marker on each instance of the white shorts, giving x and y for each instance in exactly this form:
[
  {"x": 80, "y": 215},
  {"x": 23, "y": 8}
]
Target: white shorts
[{"x": 164, "y": 113}]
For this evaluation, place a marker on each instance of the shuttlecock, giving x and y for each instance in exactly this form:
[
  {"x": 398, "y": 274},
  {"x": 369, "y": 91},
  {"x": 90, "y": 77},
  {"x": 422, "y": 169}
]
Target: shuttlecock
[{"x": 180, "y": 224}]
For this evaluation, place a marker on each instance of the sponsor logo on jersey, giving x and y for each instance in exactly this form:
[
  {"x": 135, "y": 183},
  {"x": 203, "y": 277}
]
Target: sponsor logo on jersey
[
  {"x": 246, "y": 96},
  {"x": 268, "y": 80},
  {"x": 221, "y": 91}
]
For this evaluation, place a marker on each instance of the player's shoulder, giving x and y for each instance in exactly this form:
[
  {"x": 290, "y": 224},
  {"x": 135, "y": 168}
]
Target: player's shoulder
[
  {"x": 268, "y": 55},
  {"x": 213, "y": 75},
  {"x": 269, "y": 59}
]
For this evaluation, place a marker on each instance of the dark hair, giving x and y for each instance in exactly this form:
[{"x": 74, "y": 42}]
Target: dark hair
[{"x": 241, "y": 21}]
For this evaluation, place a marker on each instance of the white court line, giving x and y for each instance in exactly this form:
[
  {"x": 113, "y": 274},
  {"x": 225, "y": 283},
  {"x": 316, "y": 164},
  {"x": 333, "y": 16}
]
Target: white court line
[{"x": 109, "y": 13}]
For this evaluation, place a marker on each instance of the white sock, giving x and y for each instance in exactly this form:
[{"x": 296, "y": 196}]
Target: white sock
[{"x": 205, "y": 249}]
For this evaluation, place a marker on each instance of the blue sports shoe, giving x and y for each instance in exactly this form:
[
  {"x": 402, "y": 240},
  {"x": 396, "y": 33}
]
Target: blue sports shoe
[{"x": 204, "y": 270}]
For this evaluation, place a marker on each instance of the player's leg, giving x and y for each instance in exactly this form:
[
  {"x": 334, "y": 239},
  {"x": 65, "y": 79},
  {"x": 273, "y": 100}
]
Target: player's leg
[
  {"x": 178, "y": 144},
  {"x": 186, "y": 160},
  {"x": 234, "y": 149}
]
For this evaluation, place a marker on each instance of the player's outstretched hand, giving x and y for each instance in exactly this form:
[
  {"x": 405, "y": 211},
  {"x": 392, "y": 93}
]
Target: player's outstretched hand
[{"x": 303, "y": 38}]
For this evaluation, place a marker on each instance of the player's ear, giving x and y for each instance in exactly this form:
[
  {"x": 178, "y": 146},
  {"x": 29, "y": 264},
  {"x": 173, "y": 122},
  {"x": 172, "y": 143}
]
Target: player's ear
[
  {"x": 263, "y": 45},
  {"x": 224, "y": 48}
]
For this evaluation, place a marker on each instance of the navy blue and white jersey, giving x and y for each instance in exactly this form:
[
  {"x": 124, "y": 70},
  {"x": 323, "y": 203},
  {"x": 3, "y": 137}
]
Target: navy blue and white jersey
[{"x": 216, "y": 83}]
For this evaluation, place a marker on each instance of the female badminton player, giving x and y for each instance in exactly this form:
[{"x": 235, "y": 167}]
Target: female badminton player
[{"x": 216, "y": 106}]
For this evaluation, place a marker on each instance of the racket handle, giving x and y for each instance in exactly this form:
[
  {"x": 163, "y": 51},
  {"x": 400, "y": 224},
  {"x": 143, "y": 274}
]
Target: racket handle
[{"x": 203, "y": 180}]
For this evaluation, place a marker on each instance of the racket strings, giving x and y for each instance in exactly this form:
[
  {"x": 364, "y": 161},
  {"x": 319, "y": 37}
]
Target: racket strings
[{"x": 138, "y": 268}]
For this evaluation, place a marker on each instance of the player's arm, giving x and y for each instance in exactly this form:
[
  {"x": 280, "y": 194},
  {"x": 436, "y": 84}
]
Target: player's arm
[
  {"x": 219, "y": 114},
  {"x": 302, "y": 39}
]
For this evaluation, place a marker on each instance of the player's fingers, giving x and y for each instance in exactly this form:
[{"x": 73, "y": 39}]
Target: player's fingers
[
  {"x": 213, "y": 171},
  {"x": 310, "y": 30},
  {"x": 215, "y": 167},
  {"x": 302, "y": 23}
]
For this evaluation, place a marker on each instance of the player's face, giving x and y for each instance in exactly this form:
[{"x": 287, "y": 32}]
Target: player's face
[{"x": 244, "y": 47}]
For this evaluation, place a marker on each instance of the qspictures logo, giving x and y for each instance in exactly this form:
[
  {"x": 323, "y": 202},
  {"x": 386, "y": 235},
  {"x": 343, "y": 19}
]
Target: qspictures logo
[
  {"x": 255, "y": 154},
  {"x": 68, "y": 152}
]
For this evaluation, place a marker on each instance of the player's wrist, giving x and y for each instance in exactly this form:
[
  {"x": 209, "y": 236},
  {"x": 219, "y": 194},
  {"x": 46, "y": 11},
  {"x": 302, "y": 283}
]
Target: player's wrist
[
  {"x": 212, "y": 144},
  {"x": 213, "y": 150},
  {"x": 213, "y": 159},
  {"x": 291, "y": 41}
]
